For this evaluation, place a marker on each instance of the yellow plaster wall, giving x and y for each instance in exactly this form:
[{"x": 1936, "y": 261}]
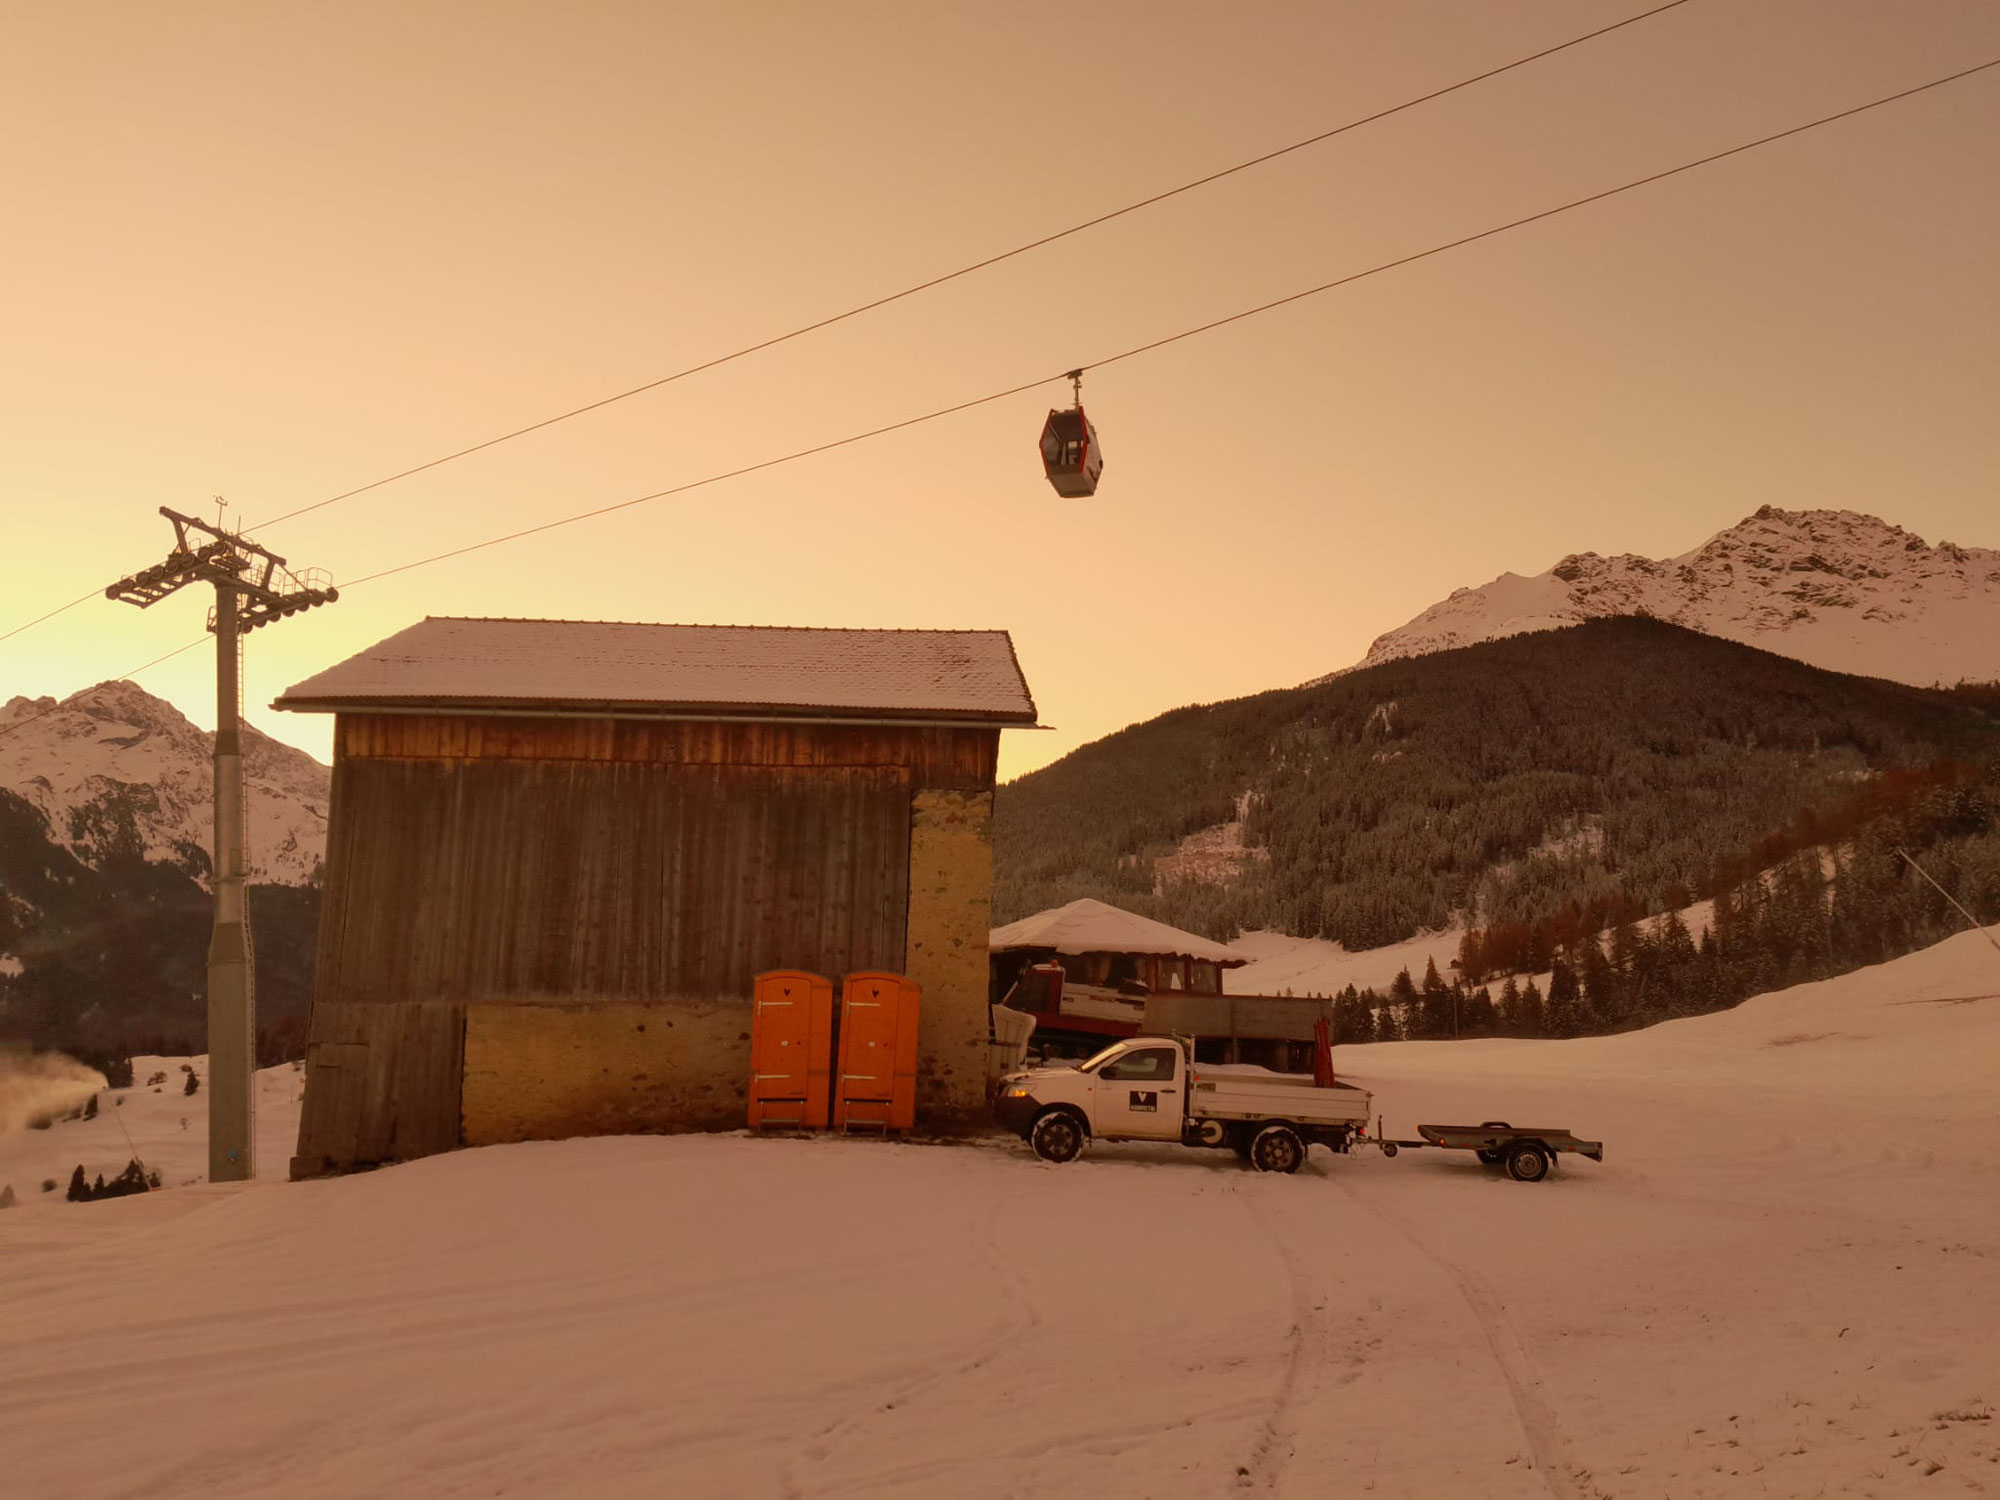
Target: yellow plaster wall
[
  {"x": 951, "y": 905},
  {"x": 545, "y": 1072}
]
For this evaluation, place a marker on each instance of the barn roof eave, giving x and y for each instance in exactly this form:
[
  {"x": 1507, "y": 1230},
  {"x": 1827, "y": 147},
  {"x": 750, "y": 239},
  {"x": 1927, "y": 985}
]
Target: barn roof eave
[
  {"x": 1065, "y": 952},
  {"x": 793, "y": 713}
]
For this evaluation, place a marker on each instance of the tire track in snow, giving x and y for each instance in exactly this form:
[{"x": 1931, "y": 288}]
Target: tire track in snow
[
  {"x": 1103, "y": 1442},
  {"x": 1274, "y": 1447},
  {"x": 1532, "y": 1411},
  {"x": 1026, "y": 1317}
]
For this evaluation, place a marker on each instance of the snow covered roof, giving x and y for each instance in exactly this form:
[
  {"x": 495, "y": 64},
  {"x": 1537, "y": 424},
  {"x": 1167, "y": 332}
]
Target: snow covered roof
[
  {"x": 1088, "y": 926},
  {"x": 941, "y": 676}
]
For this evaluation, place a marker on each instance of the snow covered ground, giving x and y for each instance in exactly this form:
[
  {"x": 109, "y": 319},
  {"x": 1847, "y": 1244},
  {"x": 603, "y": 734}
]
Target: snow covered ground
[
  {"x": 165, "y": 1125},
  {"x": 1281, "y": 965},
  {"x": 1783, "y": 1281},
  {"x": 1284, "y": 965}
]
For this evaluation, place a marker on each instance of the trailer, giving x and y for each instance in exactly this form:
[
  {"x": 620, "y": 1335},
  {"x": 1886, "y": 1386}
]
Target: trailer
[{"x": 1527, "y": 1152}]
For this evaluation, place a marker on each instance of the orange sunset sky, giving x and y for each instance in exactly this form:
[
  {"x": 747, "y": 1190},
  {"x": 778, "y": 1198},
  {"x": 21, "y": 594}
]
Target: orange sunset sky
[{"x": 275, "y": 251}]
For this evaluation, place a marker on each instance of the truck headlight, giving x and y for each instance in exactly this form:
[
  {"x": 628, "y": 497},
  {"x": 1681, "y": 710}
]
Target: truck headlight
[{"x": 1017, "y": 1091}]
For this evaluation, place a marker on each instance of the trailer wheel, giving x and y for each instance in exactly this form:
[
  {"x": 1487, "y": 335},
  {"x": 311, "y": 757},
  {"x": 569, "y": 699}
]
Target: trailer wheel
[
  {"x": 1528, "y": 1162},
  {"x": 1057, "y": 1136},
  {"x": 1492, "y": 1158},
  {"x": 1277, "y": 1148}
]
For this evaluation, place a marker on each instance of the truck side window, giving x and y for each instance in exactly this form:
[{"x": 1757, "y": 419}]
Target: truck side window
[{"x": 1148, "y": 1065}]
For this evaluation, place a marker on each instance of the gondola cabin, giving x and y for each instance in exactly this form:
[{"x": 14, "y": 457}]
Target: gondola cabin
[{"x": 1071, "y": 456}]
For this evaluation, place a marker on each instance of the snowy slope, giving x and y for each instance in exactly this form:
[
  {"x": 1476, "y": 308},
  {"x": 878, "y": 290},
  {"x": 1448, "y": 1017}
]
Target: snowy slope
[
  {"x": 164, "y": 1124},
  {"x": 1283, "y": 965},
  {"x": 1839, "y": 590},
  {"x": 1781, "y": 1282},
  {"x": 116, "y": 746}
]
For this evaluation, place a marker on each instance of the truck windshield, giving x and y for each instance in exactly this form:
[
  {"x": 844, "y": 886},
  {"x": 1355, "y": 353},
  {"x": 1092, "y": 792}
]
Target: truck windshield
[{"x": 1096, "y": 1060}]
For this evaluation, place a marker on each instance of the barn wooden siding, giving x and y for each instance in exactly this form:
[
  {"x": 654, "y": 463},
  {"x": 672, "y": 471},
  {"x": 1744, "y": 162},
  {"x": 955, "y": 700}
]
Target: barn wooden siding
[
  {"x": 944, "y": 757},
  {"x": 576, "y": 863},
  {"x": 574, "y": 881}
]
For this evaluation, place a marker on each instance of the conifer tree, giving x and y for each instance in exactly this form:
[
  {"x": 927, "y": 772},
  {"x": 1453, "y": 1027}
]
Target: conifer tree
[
  {"x": 1533, "y": 1020},
  {"x": 1480, "y": 1017},
  {"x": 1564, "y": 1012},
  {"x": 1602, "y": 990}
]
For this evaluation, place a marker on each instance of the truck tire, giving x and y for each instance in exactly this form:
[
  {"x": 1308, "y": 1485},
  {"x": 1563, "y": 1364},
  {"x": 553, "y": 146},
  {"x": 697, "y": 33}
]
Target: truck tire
[
  {"x": 1277, "y": 1148},
  {"x": 1528, "y": 1162},
  {"x": 1058, "y": 1136}
]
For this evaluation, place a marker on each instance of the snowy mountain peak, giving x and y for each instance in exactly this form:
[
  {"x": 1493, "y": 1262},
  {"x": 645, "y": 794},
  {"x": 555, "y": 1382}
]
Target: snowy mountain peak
[
  {"x": 1837, "y": 589},
  {"x": 114, "y": 750}
]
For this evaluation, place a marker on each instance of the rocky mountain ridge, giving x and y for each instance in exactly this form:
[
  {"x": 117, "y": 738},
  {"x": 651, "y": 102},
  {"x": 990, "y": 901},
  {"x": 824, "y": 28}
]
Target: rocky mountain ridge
[
  {"x": 1835, "y": 589},
  {"x": 115, "y": 763}
]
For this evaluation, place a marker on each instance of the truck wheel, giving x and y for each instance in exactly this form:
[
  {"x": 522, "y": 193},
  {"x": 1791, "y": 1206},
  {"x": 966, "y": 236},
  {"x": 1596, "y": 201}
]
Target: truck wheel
[
  {"x": 1528, "y": 1162},
  {"x": 1057, "y": 1136},
  {"x": 1277, "y": 1148}
]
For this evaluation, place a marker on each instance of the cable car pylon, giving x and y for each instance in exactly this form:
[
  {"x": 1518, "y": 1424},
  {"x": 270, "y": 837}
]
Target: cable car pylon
[
  {"x": 253, "y": 587},
  {"x": 1071, "y": 456}
]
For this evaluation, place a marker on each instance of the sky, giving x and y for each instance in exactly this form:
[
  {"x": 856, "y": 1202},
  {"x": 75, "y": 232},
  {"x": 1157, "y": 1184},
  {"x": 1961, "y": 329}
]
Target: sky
[{"x": 272, "y": 252}]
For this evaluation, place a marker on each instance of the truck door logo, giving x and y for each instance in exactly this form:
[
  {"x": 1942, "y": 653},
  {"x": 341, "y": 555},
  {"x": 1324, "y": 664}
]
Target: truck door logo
[{"x": 1145, "y": 1101}]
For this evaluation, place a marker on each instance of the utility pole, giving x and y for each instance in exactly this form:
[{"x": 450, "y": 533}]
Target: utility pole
[{"x": 252, "y": 587}]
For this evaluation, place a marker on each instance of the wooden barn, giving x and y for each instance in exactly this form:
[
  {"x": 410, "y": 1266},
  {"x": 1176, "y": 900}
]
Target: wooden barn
[{"x": 559, "y": 853}]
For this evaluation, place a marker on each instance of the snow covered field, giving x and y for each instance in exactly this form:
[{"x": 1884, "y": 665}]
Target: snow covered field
[
  {"x": 165, "y": 1124},
  {"x": 1784, "y": 1281},
  {"x": 1282, "y": 965}
]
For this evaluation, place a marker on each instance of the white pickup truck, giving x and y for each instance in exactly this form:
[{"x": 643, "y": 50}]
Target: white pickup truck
[{"x": 1148, "y": 1088}]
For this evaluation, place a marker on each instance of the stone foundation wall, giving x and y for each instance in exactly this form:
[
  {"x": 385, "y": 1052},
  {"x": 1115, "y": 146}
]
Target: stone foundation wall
[
  {"x": 544, "y": 1072},
  {"x": 951, "y": 903}
]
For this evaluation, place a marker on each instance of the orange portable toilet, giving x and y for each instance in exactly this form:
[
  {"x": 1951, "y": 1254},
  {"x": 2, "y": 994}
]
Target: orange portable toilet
[
  {"x": 876, "y": 1087},
  {"x": 791, "y": 1044}
]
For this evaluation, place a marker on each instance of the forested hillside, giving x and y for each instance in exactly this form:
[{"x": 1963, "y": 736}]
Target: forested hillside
[
  {"x": 1618, "y": 767},
  {"x": 106, "y": 959}
]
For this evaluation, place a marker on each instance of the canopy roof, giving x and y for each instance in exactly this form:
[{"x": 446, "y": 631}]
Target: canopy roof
[
  {"x": 1089, "y": 926},
  {"x": 578, "y": 666}
]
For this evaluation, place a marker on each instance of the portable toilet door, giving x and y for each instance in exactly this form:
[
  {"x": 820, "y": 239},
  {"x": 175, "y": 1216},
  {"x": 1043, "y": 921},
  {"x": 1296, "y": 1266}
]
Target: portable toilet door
[
  {"x": 791, "y": 1046},
  {"x": 875, "y": 1087}
]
